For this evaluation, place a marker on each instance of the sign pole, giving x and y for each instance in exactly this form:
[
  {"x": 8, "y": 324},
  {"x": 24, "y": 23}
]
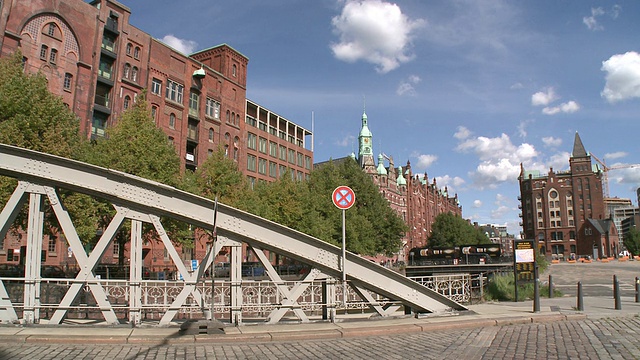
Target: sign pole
[
  {"x": 344, "y": 260},
  {"x": 343, "y": 198}
]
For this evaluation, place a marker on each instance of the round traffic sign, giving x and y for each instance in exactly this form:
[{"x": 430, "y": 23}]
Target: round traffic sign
[{"x": 343, "y": 197}]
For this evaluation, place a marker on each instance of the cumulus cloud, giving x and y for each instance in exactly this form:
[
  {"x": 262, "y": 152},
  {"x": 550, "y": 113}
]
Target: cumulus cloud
[
  {"x": 499, "y": 159},
  {"x": 551, "y": 141},
  {"x": 424, "y": 160},
  {"x": 543, "y": 98},
  {"x": 374, "y": 31},
  {"x": 406, "y": 87},
  {"x": 559, "y": 161},
  {"x": 451, "y": 183},
  {"x": 184, "y": 46},
  {"x": 346, "y": 141},
  {"x": 477, "y": 203},
  {"x": 623, "y": 77},
  {"x": 568, "y": 107}
]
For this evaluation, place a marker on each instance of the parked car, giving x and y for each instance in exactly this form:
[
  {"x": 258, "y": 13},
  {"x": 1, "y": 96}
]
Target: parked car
[
  {"x": 253, "y": 268},
  {"x": 52, "y": 271},
  {"x": 222, "y": 269},
  {"x": 9, "y": 270}
]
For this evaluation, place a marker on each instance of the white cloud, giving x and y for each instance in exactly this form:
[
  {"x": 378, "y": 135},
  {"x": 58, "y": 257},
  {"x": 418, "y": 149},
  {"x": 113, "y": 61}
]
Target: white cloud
[
  {"x": 623, "y": 77},
  {"x": 451, "y": 183},
  {"x": 346, "y": 141},
  {"x": 543, "y": 98},
  {"x": 462, "y": 133},
  {"x": 551, "y": 141},
  {"x": 477, "y": 203},
  {"x": 499, "y": 159},
  {"x": 522, "y": 128},
  {"x": 559, "y": 161},
  {"x": 374, "y": 31},
  {"x": 424, "y": 160},
  {"x": 616, "y": 155},
  {"x": 591, "y": 21},
  {"x": 184, "y": 46},
  {"x": 567, "y": 108},
  {"x": 406, "y": 87}
]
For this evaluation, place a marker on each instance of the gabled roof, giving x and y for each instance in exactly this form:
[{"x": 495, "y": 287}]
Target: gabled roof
[{"x": 602, "y": 226}]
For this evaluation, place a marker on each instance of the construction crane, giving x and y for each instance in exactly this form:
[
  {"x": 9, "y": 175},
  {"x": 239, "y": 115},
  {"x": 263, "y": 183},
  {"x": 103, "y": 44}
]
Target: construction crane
[{"x": 606, "y": 169}]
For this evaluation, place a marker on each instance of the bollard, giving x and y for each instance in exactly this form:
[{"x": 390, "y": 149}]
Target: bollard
[
  {"x": 550, "y": 286},
  {"x": 616, "y": 293},
  {"x": 536, "y": 295},
  {"x": 580, "y": 302},
  {"x": 637, "y": 289}
]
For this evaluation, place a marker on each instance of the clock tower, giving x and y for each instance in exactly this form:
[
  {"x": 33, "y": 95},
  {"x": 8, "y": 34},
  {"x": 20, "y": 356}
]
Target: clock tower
[{"x": 365, "y": 151}]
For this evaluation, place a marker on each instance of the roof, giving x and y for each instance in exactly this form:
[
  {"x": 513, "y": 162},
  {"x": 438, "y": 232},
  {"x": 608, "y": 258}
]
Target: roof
[{"x": 578, "y": 148}]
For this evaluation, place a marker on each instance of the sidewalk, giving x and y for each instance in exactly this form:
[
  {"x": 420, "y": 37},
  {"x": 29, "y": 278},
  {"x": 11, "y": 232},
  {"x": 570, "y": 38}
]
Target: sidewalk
[{"x": 480, "y": 315}]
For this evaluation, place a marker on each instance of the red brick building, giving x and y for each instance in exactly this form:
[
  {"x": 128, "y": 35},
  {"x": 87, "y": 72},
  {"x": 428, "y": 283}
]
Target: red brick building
[
  {"x": 565, "y": 211},
  {"x": 98, "y": 63}
]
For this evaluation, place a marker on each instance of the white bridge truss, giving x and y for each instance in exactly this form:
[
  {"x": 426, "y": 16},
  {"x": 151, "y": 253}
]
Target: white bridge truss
[{"x": 141, "y": 201}]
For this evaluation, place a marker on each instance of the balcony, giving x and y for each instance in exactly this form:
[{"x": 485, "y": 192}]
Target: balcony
[{"x": 112, "y": 26}]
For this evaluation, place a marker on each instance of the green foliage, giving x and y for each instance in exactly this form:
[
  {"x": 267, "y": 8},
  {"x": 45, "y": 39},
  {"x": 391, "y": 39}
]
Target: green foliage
[
  {"x": 501, "y": 288},
  {"x": 30, "y": 116},
  {"x": 451, "y": 230},
  {"x": 632, "y": 241}
]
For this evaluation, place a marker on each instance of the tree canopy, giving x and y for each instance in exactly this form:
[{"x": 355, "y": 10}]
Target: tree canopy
[
  {"x": 451, "y": 230},
  {"x": 632, "y": 241}
]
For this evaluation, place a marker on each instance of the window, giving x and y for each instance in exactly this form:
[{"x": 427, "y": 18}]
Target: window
[
  {"x": 282, "y": 170},
  {"x": 228, "y": 116},
  {"x": 292, "y": 156},
  {"x": 154, "y": 112},
  {"x": 300, "y": 159},
  {"x": 212, "y": 109},
  {"x": 170, "y": 140},
  {"x": 67, "y": 81},
  {"x": 251, "y": 163},
  {"x": 98, "y": 124},
  {"x": 134, "y": 74},
  {"x": 234, "y": 70},
  {"x": 156, "y": 86},
  {"x": 136, "y": 53},
  {"x": 273, "y": 149},
  {"x": 307, "y": 162},
  {"x": 211, "y": 134},
  {"x": 126, "y": 71},
  {"x": 43, "y": 52},
  {"x": 116, "y": 248},
  {"x": 127, "y": 100},
  {"x": 251, "y": 141},
  {"x": 52, "y": 245},
  {"x": 174, "y": 91},
  {"x": 194, "y": 101},
  {"x": 236, "y": 140},
  {"x": 262, "y": 166},
  {"x": 105, "y": 68},
  {"x": 283, "y": 153},
  {"x": 172, "y": 121},
  {"x": 51, "y": 30},
  {"x": 262, "y": 145},
  {"x": 272, "y": 169},
  {"x": 129, "y": 47}
]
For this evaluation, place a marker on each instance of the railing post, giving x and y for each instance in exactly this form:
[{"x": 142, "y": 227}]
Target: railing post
[{"x": 616, "y": 293}]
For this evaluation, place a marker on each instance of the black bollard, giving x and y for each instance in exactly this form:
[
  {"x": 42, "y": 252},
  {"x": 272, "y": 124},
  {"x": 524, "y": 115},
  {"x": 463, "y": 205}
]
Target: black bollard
[
  {"x": 550, "y": 286},
  {"x": 637, "y": 289},
  {"x": 616, "y": 293},
  {"x": 580, "y": 300},
  {"x": 536, "y": 295}
]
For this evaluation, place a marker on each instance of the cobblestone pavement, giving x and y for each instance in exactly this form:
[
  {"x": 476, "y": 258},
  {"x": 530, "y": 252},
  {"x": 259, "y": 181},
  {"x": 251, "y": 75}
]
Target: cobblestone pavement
[{"x": 607, "y": 338}]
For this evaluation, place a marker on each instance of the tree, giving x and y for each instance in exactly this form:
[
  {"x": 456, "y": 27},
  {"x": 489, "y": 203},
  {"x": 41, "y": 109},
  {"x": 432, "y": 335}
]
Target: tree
[
  {"x": 632, "y": 241},
  {"x": 451, "y": 230},
  {"x": 31, "y": 117}
]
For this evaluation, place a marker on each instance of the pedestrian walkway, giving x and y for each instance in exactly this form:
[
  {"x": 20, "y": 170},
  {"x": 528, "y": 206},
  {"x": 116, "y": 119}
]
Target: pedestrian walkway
[{"x": 488, "y": 314}]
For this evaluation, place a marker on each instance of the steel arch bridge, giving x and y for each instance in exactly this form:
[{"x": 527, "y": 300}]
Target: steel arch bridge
[{"x": 139, "y": 201}]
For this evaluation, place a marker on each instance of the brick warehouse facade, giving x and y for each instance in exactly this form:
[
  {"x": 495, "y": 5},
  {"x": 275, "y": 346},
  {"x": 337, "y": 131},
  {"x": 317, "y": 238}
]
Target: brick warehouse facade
[
  {"x": 565, "y": 211},
  {"x": 98, "y": 63}
]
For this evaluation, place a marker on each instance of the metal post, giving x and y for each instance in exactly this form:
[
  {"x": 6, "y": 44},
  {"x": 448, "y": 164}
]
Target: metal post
[
  {"x": 580, "y": 300},
  {"x": 550, "y": 286},
  {"x": 344, "y": 261},
  {"x": 536, "y": 290},
  {"x": 616, "y": 293},
  {"x": 637, "y": 289}
]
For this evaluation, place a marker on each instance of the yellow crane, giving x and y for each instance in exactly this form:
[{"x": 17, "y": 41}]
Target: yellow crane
[{"x": 606, "y": 169}]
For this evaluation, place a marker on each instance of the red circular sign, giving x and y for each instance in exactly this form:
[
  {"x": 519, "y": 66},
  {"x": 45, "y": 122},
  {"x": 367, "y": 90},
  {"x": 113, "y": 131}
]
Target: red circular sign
[{"x": 343, "y": 197}]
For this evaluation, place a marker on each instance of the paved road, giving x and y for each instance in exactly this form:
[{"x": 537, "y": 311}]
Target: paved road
[
  {"x": 612, "y": 338},
  {"x": 599, "y": 333}
]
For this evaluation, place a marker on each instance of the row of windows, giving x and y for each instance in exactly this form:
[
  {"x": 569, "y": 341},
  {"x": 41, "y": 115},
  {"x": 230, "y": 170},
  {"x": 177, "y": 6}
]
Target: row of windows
[
  {"x": 259, "y": 143},
  {"x": 130, "y": 49},
  {"x": 130, "y": 73},
  {"x": 174, "y": 92},
  {"x": 45, "y": 54},
  {"x": 250, "y": 120},
  {"x": 274, "y": 169}
]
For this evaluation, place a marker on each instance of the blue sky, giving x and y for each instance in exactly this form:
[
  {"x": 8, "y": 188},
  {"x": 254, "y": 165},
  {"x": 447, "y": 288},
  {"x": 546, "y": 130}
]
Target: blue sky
[{"x": 464, "y": 90}]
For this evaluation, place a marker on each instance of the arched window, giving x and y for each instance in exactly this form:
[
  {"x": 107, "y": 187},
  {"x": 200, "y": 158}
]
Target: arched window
[
  {"x": 127, "y": 100},
  {"x": 127, "y": 71},
  {"x": 211, "y": 134},
  {"x": 234, "y": 70},
  {"x": 228, "y": 116},
  {"x": 53, "y": 56},
  {"x": 154, "y": 111},
  {"x": 172, "y": 121},
  {"x": 134, "y": 74},
  {"x": 136, "y": 53},
  {"x": 238, "y": 119},
  {"x": 129, "y": 47},
  {"x": 67, "y": 81}
]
